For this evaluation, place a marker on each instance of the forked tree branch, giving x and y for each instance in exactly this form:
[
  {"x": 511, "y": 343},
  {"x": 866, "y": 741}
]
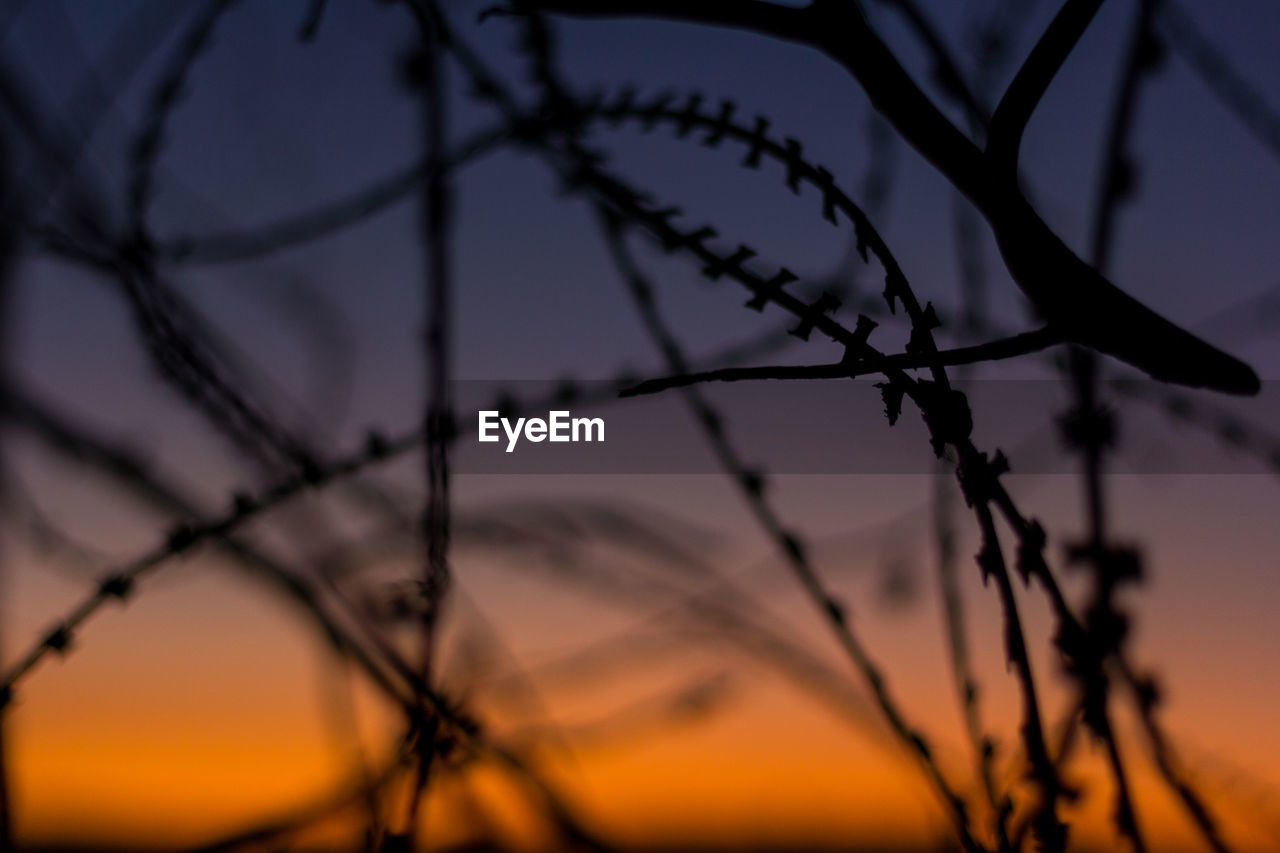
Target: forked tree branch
[
  {"x": 1011, "y": 347},
  {"x": 1029, "y": 85},
  {"x": 1067, "y": 292}
]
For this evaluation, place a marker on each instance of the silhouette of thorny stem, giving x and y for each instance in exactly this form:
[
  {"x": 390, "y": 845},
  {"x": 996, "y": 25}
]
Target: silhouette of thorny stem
[
  {"x": 1088, "y": 428},
  {"x": 1012, "y": 347},
  {"x": 426, "y": 73},
  {"x": 990, "y": 53},
  {"x": 951, "y": 81}
]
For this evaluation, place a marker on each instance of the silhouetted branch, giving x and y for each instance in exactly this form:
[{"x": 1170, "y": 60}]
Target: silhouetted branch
[
  {"x": 1028, "y": 86},
  {"x": 1067, "y": 292},
  {"x": 1050, "y": 831},
  {"x": 1018, "y": 345}
]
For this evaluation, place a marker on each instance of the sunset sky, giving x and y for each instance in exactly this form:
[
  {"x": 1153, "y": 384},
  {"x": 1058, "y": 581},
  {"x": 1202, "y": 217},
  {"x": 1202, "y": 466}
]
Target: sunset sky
[{"x": 206, "y": 704}]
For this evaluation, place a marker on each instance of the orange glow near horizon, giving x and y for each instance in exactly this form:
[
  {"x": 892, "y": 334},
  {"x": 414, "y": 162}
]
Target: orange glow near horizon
[
  {"x": 741, "y": 781},
  {"x": 200, "y": 709}
]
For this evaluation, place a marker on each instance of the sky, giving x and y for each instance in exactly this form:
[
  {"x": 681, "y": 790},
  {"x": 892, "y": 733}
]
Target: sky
[{"x": 205, "y": 704}]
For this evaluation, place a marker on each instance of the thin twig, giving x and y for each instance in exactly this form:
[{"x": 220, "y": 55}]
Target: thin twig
[
  {"x": 1029, "y": 85},
  {"x": 1018, "y": 345}
]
